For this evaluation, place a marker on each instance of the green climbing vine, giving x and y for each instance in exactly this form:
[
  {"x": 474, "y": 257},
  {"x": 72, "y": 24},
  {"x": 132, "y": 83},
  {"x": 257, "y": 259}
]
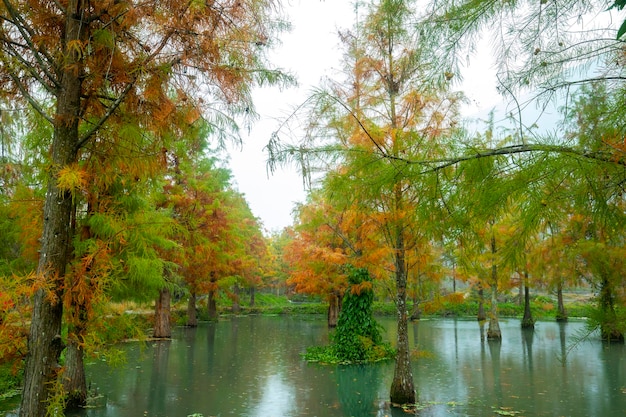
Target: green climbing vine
[{"x": 357, "y": 337}]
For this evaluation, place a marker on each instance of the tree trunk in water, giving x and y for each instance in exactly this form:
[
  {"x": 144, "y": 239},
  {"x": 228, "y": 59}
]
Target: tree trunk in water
[
  {"x": 609, "y": 326},
  {"x": 162, "y": 324},
  {"x": 192, "y": 311},
  {"x": 74, "y": 381},
  {"x": 236, "y": 308},
  {"x": 212, "y": 306},
  {"x": 481, "y": 303},
  {"x": 561, "y": 313},
  {"x": 333, "y": 309},
  {"x": 493, "y": 332},
  {"x": 416, "y": 314},
  {"x": 44, "y": 340},
  {"x": 527, "y": 321},
  {"x": 402, "y": 386}
]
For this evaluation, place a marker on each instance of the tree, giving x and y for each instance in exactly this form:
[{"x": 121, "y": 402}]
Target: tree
[
  {"x": 91, "y": 69},
  {"x": 317, "y": 254},
  {"x": 390, "y": 109}
]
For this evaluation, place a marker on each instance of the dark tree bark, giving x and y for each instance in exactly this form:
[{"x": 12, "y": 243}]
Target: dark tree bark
[
  {"x": 212, "y": 306},
  {"x": 561, "y": 313},
  {"x": 192, "y": 311},
  {"x": 44, "y": 340},
  {"x": 527, "y": 321},
  {"x": 162, "y": 316}
]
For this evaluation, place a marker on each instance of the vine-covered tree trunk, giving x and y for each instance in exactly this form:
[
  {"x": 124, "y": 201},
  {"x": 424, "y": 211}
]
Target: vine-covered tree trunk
[
  {"x": 162, "y": 323},
  {"x": 192, "y": 310},
  {"x": 527, "y": 321},
  {"x": 561, "y": 313}
]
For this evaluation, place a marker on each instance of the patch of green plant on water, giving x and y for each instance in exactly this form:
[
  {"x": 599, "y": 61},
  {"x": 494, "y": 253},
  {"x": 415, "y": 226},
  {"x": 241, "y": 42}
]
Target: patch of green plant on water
[{"x": 505, "y": 411}]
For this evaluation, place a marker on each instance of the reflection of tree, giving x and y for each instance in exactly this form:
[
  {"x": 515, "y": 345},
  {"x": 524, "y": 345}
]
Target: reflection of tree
[
  {"x": 158, "y": 389},
  {"x": 357, "y": 388},
  {"x": 527, "y": 347},
  {"x": 494, "y": 351}
]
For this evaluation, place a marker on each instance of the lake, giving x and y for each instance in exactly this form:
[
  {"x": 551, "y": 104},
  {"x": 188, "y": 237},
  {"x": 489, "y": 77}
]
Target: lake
[{"x": 252, "y": 366}]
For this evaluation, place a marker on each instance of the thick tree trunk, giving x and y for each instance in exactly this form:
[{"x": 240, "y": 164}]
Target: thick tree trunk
[
  {"x": 609, "y": 326},
  {"x": 402, "y": 386},
  {"x": 192, "y": 311},
  {"x": 162, "y": 322},
  {"x": 74, "y": 381},
  {"x": 44, "y": 341},
  {"x": 212, "y": 306},
  {"x": 561, "y": 313},
  {"x": 527, "y": 321}
]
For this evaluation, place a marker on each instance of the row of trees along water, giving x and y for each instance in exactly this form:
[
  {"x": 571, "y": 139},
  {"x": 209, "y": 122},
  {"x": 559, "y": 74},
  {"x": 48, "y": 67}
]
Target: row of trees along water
[{"x": 113, "y": 114}]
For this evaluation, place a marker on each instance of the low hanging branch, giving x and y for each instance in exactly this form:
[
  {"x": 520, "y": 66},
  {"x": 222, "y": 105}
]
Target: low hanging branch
[{"x": 283, "y": 153}]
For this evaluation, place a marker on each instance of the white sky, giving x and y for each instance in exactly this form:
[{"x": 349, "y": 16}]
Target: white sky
[{"x": 311, "y": 51}]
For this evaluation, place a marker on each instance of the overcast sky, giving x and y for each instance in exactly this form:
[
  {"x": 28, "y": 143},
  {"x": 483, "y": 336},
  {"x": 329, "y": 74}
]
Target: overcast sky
[{"x": 311, "y": 51}]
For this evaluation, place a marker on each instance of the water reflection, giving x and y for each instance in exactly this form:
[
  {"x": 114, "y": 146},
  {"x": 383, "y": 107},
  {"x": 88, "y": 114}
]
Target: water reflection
[{"x": 248, "y": 367}]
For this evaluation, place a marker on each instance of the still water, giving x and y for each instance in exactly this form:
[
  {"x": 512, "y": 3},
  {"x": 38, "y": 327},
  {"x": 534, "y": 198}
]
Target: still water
[{"x": 251, "y": 366}]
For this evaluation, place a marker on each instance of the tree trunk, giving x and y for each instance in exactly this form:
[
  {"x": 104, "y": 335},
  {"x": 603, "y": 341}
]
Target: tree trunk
[
  {"x": 192, "y": 311},
  {"x": 44, "y": 340},
  {"x": 493, "y": 332},
  {"x": 252, "y": 293},
  {"x": 527, "y": 321},
  {"x": 236, "y": 308},
  {"x": 561, "y": 313},
  {"x": 333, "y": 309},
  {"x": 609, "y": 326},
  {"x": 482, "y": 316},
  {"x": 402, "y": 386},
  {"x": 162, "y": 324},
  {"x": 74, "y": 381},
  {"x": 212, "y": 306}
]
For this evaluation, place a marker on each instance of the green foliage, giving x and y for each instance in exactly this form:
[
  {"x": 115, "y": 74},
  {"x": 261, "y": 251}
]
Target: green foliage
[{"x": 10, "y": 380}]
